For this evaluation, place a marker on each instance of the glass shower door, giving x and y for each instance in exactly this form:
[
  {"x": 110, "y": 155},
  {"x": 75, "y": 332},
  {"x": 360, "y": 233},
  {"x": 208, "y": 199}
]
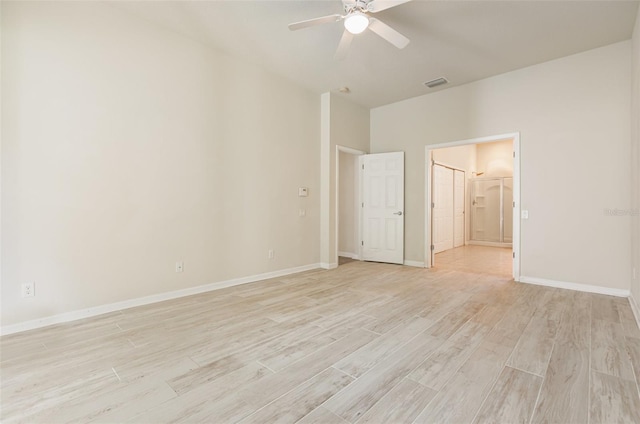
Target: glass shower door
[{"x": 492, "y": 210}]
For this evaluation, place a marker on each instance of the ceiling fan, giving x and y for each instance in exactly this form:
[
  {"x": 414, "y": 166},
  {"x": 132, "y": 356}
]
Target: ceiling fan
[{"x": 356, "y": 19}]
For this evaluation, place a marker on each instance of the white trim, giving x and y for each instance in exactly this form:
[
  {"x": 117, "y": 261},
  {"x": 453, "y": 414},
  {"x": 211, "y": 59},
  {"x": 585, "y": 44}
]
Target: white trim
[
  {"x": 325, "y": 265},
  {"x": 635, "y": 309},
  {"x": 349, "y": 255},
  {"x": 515, "y": 136},
  {"x": 487, "y": 139},
  {"x": 575, "y": 286},
  {"x": 131, "y": 303},
  {"x": 515, "y": 237},
  {"x": 414, "y": 263},
  {"x": 489, "y": 243}
]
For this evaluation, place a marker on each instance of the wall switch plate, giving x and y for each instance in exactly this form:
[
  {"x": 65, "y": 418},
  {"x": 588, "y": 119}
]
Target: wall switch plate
[
  {"x": 179, "y": 267},
  {"x": 271, "y": 254},
  {"x": 303, "y": 191},
  {"x": 525, "y": 214},
  {"x": 28, "y": 289}
]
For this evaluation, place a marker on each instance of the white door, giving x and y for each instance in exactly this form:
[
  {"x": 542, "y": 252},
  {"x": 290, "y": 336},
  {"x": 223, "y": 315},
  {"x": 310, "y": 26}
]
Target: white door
[
  {"x": 383, "y": 208},
  {"x": 442, "y": 208},
  {"x": 458, "y": 208}
]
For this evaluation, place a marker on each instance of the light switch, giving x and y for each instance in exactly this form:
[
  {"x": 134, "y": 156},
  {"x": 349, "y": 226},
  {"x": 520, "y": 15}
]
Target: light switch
[
  {"x": 303, "y": 191},
  {"x": 525, "y": 214}
]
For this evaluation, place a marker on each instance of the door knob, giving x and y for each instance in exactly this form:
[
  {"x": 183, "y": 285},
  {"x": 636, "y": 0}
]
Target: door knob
[{"x": 398, "y": 213}]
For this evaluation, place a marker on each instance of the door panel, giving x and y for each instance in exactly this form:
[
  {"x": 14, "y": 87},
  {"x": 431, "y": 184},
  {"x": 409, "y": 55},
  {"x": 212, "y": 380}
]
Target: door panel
[
  {"x": 458, "y": 208},
  {"x": 443, "y": 208},
  {"x": 383, "y": 208}
]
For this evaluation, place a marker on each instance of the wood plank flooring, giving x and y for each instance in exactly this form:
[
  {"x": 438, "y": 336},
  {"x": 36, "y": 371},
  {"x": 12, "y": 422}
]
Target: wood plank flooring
[{"x": 364, "y": 343}]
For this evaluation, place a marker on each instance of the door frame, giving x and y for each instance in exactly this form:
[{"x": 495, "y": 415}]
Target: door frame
[
  {"x": 464, "y": 206},
  {"x": 516, "y": 242},
  {"x": 358, "y": 190}
]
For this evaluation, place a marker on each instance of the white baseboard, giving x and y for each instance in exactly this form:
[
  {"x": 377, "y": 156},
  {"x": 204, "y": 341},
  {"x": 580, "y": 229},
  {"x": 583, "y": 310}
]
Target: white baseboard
[
  {"x": 575, "y": 286},
  {"x": 349, "y": 255},
  {"x": 113, "y": 307},
  {"x": 326, "y": 265},
  {"x": 414, "y": 263},
  {"x": 635, "y": 309},
  {"x": 489, "y": 244}
]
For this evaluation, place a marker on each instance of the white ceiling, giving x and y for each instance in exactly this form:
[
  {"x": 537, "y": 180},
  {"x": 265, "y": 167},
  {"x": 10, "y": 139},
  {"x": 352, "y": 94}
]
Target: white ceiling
[{"x": 461, "y": 40}]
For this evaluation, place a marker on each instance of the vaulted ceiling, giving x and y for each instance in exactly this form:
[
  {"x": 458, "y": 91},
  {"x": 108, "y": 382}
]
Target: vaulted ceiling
[{"x": 461, "y": 40}]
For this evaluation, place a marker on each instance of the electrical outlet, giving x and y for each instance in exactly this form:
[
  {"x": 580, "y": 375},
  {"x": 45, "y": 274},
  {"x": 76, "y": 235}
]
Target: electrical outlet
[
  {"x": 302, "y": 212},
  {"x": 271, "y": 254},
  {"x": 28, "y": 289},
  {"x": 179, "y": 267}
]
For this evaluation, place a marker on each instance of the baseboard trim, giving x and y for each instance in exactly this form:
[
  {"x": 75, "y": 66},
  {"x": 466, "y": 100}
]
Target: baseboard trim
[
  {"x": 326, "y": 265},
  {"x": 635, "y": 309},
  {"x": 349, "y": 255},
  {"x": 575, "y": 286},
  {"x": 155, "y": 298},
  {"x": 489, "y": 243},
  {"x": 414, "y": 263}
]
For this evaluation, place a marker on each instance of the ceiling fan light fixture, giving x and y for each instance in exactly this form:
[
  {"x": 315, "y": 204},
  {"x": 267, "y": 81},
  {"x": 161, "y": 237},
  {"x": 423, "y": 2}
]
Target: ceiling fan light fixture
[{"x": 356, "y": 22}]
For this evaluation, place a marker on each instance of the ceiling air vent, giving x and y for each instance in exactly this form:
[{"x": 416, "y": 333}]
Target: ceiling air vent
[{"x": 436, "y": 82}]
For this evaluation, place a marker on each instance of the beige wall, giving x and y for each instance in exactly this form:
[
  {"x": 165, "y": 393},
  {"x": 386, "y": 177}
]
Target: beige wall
[
  {"x": 460, "y": 157},
  {"x": 635, "y": 161},
  {"x": 495, "y": 159},
  {"x": 127, "y": 147},
  {"x": 343, "y": 124},
  {"x": 574, "y": 158}
]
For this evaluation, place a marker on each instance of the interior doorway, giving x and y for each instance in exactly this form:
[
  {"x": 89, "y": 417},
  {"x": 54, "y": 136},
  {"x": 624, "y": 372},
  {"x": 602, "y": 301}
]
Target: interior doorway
[
  {"x": 472, "y": 197},
  {"x": 348, "y": 187}
]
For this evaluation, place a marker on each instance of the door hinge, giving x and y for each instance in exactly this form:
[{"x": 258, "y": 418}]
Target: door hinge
[
  {"x": 363, "y": 166},
  {"x": 514, "y": 204},
  {"x": 514, "y": 154},
  {"x": 433, "y": 205},
  {"x": 363, "y": 204},
  {"x": 362, "y": 243},
  {"x": 514, "y": 255},
  {"x": 433, "y": 247}
]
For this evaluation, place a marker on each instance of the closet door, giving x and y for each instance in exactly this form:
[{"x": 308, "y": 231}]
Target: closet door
[
  {"x": 442, "y": 208},
  {"x": 458, "y": 208}
]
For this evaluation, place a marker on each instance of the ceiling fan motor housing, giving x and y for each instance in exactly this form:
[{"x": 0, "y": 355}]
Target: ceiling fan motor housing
[{"x": 357, "y": 6}]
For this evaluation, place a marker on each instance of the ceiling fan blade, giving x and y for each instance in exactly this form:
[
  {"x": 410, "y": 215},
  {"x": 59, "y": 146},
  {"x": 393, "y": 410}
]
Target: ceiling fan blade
[
  {"x": 343, "y": 47},
  {"x": 388, "y": 33},
  {"x": 313, "y": 22},
  {"x": 379, "y": 5}
]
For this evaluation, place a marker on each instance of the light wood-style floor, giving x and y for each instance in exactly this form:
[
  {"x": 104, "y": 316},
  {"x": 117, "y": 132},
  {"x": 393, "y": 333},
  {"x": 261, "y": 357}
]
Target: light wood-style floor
[
  {"x": 365, "y": 343},
  {"x": 479, "y": 259}
]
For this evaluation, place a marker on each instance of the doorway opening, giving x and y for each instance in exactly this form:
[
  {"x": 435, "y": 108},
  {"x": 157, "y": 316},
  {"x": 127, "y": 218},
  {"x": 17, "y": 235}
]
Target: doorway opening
[
  {"x": 348, "y": 209},
  {"x": 472, "y": 205}
]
